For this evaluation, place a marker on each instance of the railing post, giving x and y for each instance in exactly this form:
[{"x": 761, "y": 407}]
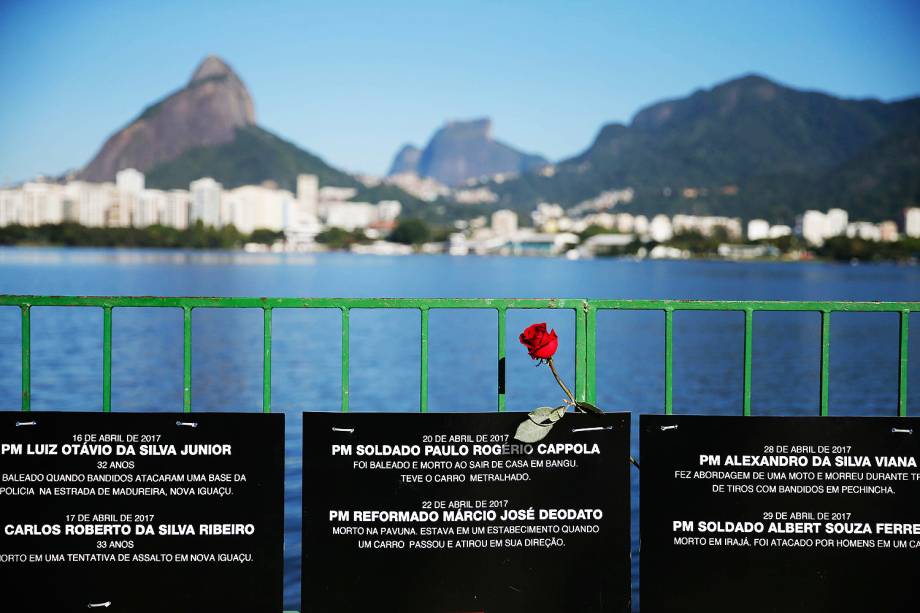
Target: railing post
[
  {"x": 902, "y": 364},
  {"x": 502, "y": 313},
  {"x": 106, "y": 359},
  {"x": 345, "y": 350},
  {"x": 26, "y": 345},
  {"x": 748, "y": 339},
  {"x": 591, "y": 354},
  {"x": 267, "y": 360},
  {"x": 581, "y": 346},
  {"x": 187, "y": 359},
  {"x": 825, "y": 361},
  {"x": 423, "y": 375},
  {"x": 668, "y": 361}
]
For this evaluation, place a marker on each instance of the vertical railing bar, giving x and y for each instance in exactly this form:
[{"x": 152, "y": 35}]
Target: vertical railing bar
[
  {"x": 902, "y": 364},
  {"x": 267, "y": 360},
  {"x": 591, "y": 355},
  {"x": 668, "y": 361},
  {"x": 106, "y": 359},
  {"x": 502, "y": 315},
  {"x": 423, "y": 375},
  {"x": 187, "y": 359},
  {"x": 26, "y": 343},
  {"x": 581, "y": 341},
  {"x": 748, "y": 339},
  {"x": 345, "y": 355},
  {"x": 825, "y": 361}
]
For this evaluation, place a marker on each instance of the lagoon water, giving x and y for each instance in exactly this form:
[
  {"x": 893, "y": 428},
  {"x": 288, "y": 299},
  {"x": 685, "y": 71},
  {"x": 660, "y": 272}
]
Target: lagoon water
[{"x": 708, "y": 347}]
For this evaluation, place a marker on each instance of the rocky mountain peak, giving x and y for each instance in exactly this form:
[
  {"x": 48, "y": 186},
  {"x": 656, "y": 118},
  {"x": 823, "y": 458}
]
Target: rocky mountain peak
[
  {"x": 474, "y": 129},
  {"x": 406, "y": 160},
  {"x": 212, "y": 66},
  {"x": 208, "y": 111},
  {"x": 462, "y": 150}
]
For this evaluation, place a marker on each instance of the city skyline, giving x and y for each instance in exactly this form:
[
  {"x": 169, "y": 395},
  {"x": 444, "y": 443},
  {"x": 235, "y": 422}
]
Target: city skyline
[
  {"x": 548, "y": 84},
  {"x": 308, "y": 217}
]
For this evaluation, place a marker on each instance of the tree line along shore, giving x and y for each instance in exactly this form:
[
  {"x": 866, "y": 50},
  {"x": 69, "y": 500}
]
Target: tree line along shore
[{"x": 419, "y": 234}]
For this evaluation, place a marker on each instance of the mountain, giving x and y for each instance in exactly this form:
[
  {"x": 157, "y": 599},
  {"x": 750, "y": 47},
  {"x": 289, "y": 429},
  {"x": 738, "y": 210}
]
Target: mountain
[
  {"x": 755, "y": 147},
  {"x": 253, "y": 155},
  {"x": 207, "y": 128},
  {"x": 406, "y": 160},
  {"x": 463, "y": 150},
  {"x": 882, "y": 177},
  {"x": 207, "y": 111}
]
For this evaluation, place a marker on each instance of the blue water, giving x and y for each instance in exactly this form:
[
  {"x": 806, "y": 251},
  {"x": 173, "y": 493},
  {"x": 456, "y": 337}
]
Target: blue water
[{"x": 227, "y": 370}]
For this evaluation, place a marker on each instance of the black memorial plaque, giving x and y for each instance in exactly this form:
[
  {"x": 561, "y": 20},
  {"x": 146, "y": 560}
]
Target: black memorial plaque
[
  {"x": 446, "y": 513},
  {"x": 138, "y": 513},
  {"x": 780, "y": 514}
]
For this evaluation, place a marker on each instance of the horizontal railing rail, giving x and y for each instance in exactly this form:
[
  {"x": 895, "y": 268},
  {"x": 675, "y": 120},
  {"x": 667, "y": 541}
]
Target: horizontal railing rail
[{"x": 585, "y": 334}]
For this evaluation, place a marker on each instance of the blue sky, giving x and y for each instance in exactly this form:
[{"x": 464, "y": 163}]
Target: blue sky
[{"x": 354, "y": 80}]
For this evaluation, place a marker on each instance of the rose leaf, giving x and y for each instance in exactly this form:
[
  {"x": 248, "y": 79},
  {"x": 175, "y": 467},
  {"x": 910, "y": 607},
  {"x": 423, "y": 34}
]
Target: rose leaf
[
  {"x": 545, "y": 415},
  {"x": 530, "y": 432},
  {"x": 588, "y": 407}
]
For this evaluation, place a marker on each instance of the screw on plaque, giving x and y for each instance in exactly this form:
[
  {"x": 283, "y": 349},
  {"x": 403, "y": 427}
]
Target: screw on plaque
[
  {"x": 188, "y": 424},
  {"x": 594, "y": 429}
]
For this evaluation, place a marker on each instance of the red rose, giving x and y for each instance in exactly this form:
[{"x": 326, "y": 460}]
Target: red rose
[{"x": 541, "y": 345}]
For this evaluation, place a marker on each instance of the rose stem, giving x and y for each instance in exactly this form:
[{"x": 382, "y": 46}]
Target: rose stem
[{"x": 559, "y": 381}]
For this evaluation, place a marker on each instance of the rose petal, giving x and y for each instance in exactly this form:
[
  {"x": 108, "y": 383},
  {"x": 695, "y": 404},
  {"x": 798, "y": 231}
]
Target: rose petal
[{"x": 548, "y": 348}]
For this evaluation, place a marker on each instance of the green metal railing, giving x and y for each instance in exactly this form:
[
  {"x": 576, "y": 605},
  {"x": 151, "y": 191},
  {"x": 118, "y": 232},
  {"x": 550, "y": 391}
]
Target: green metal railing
[{"x": 585, "y": 334}]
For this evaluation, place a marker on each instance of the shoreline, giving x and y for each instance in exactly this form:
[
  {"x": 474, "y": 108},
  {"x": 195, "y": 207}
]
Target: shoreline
[{"x": 237, "y": 251}]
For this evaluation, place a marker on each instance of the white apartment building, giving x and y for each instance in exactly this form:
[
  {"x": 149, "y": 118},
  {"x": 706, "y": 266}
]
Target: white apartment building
[
  {"x": 205, "y": 197},
  {"x": 175, "y": 209},
  {"x": 865, "y": 230},
  {"x": 118, "y": 215},
  {"x": 640, "y": 225},
  {"x": 758, "y": 229},
  {"x": 88, "y": 202},
  {"x": 815, "y": 227},
  {"x": 608, "y": 221},
  {"x": 660, "y": 229},
  {"x": 129, "y": 181},
  {"x": 350, "y": 215},
  {"x": 10, "y": 206},
  {"x": 504, "y": 222},
  {"x": 42, "y": 203},
  {"x": 778, "y": 231},
  {"x": 706, "y": 225},
  {"x": 332, "y": 197},
  {"x": 912, "y": 222},
  {"x": 308, "y": 194},
  {"x": 888, "y": 231},
  {"x": 626, "y": 223},
  {"x": 837, "y": 220},
  {"x": 547, "y": 214},
  {"x": 388, "y": 210},
  {"x": 148, "y": 208},
  {"x": 812, "y": 224},
  {"x": 302, "y": 217},
  {"x": 252, "y": 206}
]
